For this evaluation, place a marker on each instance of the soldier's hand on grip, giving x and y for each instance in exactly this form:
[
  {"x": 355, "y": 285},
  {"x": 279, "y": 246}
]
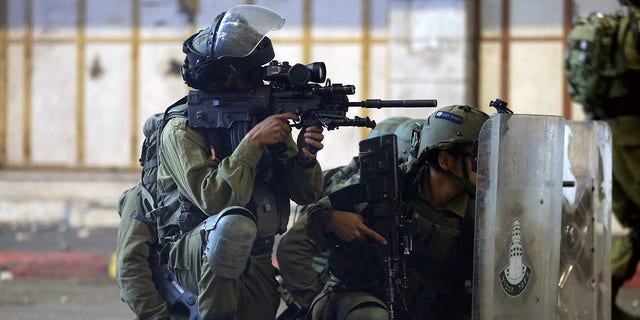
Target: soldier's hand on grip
[
  {"x": 310, "y": 142},
  {"x": 273, "y": 129}
]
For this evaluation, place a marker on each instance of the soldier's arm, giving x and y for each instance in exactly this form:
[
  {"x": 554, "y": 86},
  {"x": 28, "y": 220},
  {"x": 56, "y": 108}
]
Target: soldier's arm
[
  {"x": 303, "y": 182},
  {"x": 186, "y": 157}
]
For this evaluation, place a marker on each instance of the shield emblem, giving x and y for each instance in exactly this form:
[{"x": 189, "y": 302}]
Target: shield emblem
[
  {"x": 518, "y": 217},
  {"x": 543, "y": 219}
]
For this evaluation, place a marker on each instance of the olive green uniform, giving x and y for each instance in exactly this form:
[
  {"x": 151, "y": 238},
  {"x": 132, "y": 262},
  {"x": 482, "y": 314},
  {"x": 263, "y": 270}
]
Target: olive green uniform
[
  {"x": 250, "y": 177},
  {"x": 626, "y": 195},
  {"x": 133, "y": 255},
  {"x": 438, "y": 267},
  {"x": 302, "y": 264},
  {"x": 623, "y": 116}
]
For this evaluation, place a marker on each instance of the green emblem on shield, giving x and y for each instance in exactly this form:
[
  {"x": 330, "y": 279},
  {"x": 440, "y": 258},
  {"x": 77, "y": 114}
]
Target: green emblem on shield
[{"x": 516, "y": 274}]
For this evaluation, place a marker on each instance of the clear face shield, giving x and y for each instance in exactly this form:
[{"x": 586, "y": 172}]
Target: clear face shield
[{"x": 242, "y": 28}]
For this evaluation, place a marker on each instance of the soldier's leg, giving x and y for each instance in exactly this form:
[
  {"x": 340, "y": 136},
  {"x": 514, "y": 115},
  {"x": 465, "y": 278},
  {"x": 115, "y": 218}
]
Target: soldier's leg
[
  {"x": 185, "y": 260},
  {"x": 625, "y": 252},
  {"x": 620, "y": 260},
  {"x": 211, "y": 259},
  {"x": 216, "y": 295},
  {"x": 259, "y": 296}
]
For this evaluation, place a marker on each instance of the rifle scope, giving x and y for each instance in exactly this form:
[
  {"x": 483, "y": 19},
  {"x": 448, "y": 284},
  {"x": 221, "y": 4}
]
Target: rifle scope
[{"x": 296, "y": 75}]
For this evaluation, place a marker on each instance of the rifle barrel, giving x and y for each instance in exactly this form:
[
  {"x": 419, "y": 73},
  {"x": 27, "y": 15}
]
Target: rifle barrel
[{"x": 377, "y": 103}]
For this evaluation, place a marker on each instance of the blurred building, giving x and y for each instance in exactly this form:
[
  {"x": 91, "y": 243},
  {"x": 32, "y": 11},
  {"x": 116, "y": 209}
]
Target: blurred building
[{"x": 79, "y": 77}]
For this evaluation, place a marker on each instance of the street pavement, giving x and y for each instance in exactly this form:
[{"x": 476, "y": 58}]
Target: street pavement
[
  {"x": 40, "y": 298},
  {"x": 37, "y": 298},
  {"x": 51, "y": 272}
]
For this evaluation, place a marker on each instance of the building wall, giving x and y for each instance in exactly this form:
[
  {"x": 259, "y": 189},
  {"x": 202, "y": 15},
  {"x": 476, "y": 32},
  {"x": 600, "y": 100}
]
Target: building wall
[
  {"x": 521, "y": 49},
  {"x": 79, "y": 77}
]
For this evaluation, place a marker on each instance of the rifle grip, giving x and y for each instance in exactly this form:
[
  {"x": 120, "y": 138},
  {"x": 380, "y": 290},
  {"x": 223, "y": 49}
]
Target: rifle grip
[{"x": 311, "y": 148}]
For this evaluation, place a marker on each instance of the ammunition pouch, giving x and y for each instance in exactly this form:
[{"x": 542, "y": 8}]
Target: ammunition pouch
[
  {"x": 437, "y": 237},
  {"x": 271, "y": 211},
  {"x": 190, "y": 217}
]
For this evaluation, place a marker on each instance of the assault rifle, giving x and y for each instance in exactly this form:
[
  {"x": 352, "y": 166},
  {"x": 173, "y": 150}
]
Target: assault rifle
[
  {"x": 388, "y": 215},
  {"x": 228, "y": 116},
  {"x": 179, "y": 300},
  {"x": 379, "y": 172}
]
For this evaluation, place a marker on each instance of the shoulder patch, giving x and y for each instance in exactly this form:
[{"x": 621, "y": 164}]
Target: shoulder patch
[{"x": 448, "y": 116}]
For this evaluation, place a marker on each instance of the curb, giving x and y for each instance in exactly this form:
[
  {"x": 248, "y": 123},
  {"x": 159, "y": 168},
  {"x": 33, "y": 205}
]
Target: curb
[{"x": 55, "y": 264}]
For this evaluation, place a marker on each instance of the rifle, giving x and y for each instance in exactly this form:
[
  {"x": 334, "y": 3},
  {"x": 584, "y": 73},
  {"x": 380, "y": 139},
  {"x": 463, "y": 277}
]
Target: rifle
[
  {"x": 294, "y": 310},
  {"x": 380, "y": 173},
  {"x": 179, "y": 300},
  {"x": 228, "y": 116}
]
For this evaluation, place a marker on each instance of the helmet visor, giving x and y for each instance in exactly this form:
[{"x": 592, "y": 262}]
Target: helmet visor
[{"x": 242, "y": 28}]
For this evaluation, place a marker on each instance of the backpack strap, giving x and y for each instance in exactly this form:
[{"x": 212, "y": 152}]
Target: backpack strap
[
  {"x": 173, "y": 112},
  {"x": 149, "y": 159}
]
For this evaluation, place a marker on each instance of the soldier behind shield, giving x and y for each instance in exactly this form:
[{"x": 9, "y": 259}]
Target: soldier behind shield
[
  {"x": 439, "y": 187},
  {"x": 302, "y": 264}
]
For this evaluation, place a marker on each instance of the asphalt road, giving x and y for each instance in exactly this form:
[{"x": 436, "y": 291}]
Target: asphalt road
[{"x": 34, "y": 298}]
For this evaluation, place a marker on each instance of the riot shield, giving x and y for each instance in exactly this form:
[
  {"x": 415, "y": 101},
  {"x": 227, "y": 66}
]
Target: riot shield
[
  {"x": 585, "y": 265},
  {"x": 518, "y": 217}
]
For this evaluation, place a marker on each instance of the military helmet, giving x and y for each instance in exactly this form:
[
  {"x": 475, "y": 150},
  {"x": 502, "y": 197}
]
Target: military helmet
[
  {"x": 456, "y": 124},
  {"x": 403, "y": 128},
  {"x": 408, "y": 134},
  {"x": 390, "y": 126},
  {"x": 235, "y": 42},
  {"x": 386, "y": 126}
]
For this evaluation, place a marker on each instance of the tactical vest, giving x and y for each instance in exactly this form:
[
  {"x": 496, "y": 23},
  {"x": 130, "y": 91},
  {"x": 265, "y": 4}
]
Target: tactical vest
[{"x": 440, "y": 268}]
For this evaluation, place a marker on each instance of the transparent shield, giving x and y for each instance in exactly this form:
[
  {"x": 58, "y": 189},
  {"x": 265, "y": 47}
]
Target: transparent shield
[
  {"x": 518, "y": 217},
  {"x": 585, "y": 274},
  {"x": 242, "y": 28}
]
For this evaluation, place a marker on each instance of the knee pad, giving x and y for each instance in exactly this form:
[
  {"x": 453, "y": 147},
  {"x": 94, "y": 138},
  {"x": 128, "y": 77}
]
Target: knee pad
[
  {"x": 361, "y": 306},
  {"x": 229, "y": 238}
]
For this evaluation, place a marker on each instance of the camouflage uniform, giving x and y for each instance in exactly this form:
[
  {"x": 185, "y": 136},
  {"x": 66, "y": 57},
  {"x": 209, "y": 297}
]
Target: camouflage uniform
[
  {"x": 623, "y": 117},
  {"x": 302, "y": 264},
  {"x": 440, "y": 266}
]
